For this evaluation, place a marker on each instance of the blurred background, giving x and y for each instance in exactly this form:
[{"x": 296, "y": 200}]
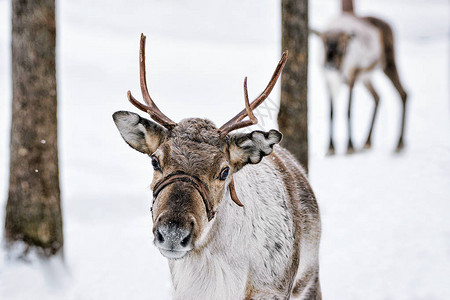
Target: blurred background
[{"x": 386, "y": 225}]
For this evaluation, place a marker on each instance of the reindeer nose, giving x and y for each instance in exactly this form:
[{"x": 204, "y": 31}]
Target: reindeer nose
[{"x": 173, "y": 237}]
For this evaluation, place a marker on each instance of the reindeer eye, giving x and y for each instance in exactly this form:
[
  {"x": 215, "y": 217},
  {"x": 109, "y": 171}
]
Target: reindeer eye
[
  {"x": 224, "y": 173},
  {"x": 155, "y": 163}
]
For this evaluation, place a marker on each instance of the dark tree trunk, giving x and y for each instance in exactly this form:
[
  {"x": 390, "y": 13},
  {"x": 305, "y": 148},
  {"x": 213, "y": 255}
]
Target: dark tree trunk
[
  {"x": 293, "y": 114},
  {"x": 33, "y": 210}
]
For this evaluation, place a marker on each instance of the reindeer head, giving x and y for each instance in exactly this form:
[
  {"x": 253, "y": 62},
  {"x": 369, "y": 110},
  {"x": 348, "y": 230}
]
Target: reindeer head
[
  {"x": 335, "y": 44},
  {"x": 193, "y": 163}
]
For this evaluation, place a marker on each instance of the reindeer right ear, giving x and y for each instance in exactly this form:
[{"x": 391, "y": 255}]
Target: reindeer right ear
[{"x": 141, "y": 134}]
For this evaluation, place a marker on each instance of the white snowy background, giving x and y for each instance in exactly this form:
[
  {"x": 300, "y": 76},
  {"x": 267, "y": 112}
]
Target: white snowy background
[{"x": 386, "y": 216}]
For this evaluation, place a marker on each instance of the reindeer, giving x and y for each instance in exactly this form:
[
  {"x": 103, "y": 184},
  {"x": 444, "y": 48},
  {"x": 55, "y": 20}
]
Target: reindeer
[
  {"x": 233, "y": 212},
  {"x": 354, "y": 47}
]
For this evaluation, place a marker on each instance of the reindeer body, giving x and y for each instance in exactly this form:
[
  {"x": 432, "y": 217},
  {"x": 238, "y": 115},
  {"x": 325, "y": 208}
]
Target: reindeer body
[
  {"x": 233, "y": 213},
  {"x": 363, "y": 51},
  {"x": 262, "y": 250},
  {"x": 354, "y": 48}
]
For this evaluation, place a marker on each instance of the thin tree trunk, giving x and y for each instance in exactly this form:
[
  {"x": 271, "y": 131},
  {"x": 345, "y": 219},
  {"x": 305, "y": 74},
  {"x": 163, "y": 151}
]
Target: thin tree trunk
[
  {"x": 293, "y": 114},
  {"x": 33, "y": 210}
]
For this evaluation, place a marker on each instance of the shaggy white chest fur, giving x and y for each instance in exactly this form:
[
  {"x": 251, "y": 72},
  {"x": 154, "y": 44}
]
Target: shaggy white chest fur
[{"x": 208, "y": 276}]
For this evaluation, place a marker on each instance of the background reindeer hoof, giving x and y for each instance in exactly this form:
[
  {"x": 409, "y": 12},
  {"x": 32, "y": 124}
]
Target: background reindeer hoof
[
  {"x": 368, "y": 145},
  {"x": 350, "y": 150},
  {"x": 400, "y": 146},
  {"x": 330, "y": 152}
]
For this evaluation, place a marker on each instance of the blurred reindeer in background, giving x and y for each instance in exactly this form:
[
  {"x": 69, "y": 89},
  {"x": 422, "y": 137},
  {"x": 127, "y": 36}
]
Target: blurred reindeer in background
[{"x": 355, "y": 46}]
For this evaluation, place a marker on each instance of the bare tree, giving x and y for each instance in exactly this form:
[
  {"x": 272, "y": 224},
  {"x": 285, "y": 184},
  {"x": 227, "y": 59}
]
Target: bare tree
[
  {"x": 293, "y": 114},
  {"x": 33, "y": 210}
]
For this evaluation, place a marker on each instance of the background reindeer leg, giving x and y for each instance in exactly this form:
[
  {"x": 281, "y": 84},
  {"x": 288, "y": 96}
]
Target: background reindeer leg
[
  {"x": 351, "y": 84},
  {"x": 376, "y": 98},
  {"x": 391, "y": 71},
  {"x": 331, "y": 145}
]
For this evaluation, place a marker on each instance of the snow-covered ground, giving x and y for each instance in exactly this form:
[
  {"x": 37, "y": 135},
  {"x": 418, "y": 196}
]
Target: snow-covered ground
[{"x": 386, "y": 225}]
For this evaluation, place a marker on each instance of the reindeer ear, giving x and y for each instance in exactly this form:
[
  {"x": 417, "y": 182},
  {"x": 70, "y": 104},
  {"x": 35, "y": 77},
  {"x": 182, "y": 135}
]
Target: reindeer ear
[
  {"x": 250, "y": 148},
  {"x": 141, "y": 134}
]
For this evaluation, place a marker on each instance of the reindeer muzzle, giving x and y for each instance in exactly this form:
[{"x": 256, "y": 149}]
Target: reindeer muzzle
[
  {"x": 194, "y": 181},
  {"x": 199, "y": 186}
]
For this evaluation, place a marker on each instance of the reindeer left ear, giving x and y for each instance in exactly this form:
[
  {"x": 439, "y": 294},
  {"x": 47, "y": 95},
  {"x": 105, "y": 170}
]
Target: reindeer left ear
[{"x": 250, "y": 148}]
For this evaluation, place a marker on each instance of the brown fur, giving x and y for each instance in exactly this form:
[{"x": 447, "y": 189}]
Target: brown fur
[
  {"x": 305, "y": 211},
  {"x": 308, "y": 215},
  {"x": 184, "y": 149}
]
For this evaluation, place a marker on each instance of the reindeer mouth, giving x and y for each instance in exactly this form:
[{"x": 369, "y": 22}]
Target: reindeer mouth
[{"x": 173, "y": 254}]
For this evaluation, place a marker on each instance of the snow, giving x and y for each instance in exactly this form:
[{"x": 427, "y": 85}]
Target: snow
[{"x": 386, "y": 231}]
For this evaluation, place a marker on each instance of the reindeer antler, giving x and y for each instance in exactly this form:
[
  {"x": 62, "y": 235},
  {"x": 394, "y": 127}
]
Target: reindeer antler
[
  {"x": 151, "y": 107},
  {"x": 236, "y": 122}
]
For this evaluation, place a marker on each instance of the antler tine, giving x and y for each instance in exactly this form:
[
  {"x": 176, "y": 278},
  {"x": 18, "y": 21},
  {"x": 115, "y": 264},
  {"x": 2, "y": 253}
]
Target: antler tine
[
  {"x": 151, "y": 107},
  {"x": 240, "y": 124},
  {"x": 236, "y": 122},
  {"x": 156, "y": 117}
]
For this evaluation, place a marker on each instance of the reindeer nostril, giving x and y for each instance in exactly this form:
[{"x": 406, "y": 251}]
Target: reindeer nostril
[
  {"x": 159, "y": 237},
  {"x": 186, "y": 240}
]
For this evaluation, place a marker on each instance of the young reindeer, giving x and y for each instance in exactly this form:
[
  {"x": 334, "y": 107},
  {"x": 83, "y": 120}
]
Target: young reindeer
[
  {"x": 354, "y": 47},
  {"x": 233, "y": 213}
]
